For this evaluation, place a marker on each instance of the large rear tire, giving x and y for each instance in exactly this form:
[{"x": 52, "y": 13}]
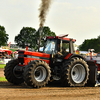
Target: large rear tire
[
  {"x": 37, "y": 74},
  {"x": 92, "y": 74},
  {"x": 11, "y": 75},
  {"x": 75, "y": 72}
]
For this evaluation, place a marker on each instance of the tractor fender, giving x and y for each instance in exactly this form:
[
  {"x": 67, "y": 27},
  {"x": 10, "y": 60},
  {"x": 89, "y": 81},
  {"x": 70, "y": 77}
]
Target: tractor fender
[{"x": 69, "y": 56}]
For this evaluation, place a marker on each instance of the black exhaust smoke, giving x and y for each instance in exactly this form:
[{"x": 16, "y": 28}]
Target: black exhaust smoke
[{"x": 44, "y": 8}]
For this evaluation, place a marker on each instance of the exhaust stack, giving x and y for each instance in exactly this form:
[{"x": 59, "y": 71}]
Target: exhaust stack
[
  {"x": 40, "y": 32},
  {"x": 43, "y": 9}
]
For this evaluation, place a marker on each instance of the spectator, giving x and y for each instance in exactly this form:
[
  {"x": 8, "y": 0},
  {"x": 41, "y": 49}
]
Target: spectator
[
  {"x": 6, "y": 55},
  {"x": 98, "y": 54},
  {"x": 0, "y": 54}
]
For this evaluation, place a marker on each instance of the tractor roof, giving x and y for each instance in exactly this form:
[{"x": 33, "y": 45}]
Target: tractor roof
[{"x": 61, "y": 38}]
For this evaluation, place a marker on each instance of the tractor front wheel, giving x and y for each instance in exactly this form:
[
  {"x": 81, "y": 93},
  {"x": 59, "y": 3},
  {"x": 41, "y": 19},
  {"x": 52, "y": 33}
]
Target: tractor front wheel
[{"x": 37, "y": 74}]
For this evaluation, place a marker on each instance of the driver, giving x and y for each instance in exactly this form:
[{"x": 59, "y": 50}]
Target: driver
[{"x": 63, "y": 50}]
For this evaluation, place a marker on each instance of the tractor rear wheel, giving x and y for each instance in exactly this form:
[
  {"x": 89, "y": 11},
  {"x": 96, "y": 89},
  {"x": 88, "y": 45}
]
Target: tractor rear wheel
[
  {"x": 37, "y": 73},
  {"x": 11, "y": 74},
  {"x": 75, "y": 72}
]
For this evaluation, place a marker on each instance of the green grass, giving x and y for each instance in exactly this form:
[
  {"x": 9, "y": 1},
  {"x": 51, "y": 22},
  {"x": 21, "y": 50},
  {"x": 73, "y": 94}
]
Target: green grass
[
  {"x": 13, "y": 50},
  {"x": 2, "y": 79},
  {"x": 2, "y": 65}
]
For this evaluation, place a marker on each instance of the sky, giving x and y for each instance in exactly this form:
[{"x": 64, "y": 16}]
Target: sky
[{"x": 78, "y": 18}]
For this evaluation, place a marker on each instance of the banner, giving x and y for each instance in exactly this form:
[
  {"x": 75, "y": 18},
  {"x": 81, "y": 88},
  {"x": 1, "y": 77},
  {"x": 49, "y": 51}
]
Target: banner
[
  {"x": 5, "y": 47},
  {"x": 9, "y": 44}
]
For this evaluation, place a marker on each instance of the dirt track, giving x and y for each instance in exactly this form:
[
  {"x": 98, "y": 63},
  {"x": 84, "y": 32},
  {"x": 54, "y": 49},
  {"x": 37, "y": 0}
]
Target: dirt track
[
  {"x": 1, "y": 72},
  {"x": 23, "y": 92}
]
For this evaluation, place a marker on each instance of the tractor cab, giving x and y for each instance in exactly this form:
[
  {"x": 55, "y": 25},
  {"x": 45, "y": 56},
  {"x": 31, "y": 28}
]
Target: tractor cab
[{"x": 59, "y": 45}]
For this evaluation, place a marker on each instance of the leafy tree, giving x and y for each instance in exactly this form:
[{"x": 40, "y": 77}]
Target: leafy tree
[
  {"x": 45, "y": 32},
  {"x": 26, "y": 36},
  {"x": 3, "y": 36},
  {"x": 91, "y": 44},
  {"x": 30, "y": 36}
]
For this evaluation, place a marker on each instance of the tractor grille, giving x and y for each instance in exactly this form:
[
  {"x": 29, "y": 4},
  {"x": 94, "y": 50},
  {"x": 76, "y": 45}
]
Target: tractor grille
[
  {"x": 21, "y": 61},
  {"x": 21, "y": 57},
  {"x": 21, "y": 52}
]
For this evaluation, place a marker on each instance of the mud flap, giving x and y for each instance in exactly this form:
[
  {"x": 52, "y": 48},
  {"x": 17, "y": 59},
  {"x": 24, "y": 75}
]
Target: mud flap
[{"x": 92, "y": 73}]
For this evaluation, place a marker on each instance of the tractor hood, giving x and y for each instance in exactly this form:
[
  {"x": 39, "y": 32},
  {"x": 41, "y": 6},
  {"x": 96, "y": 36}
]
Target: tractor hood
[
  {"x": 28, "y": 56},
  {"x": 37, "y": 54}
]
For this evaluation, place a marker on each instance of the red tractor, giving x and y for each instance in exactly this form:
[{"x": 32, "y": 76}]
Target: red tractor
[{"x": 57, "y": 61}]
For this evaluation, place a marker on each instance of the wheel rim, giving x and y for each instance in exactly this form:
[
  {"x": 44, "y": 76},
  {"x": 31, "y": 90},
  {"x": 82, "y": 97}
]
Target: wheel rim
[
  {"x": 78, "y": 73},
  {"x": 40, "y": 73}
]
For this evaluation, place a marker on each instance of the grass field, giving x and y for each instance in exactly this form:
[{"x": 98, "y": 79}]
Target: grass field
[
  {"x": 2, "y": 65},
  {"x": 2, "y": 79}
]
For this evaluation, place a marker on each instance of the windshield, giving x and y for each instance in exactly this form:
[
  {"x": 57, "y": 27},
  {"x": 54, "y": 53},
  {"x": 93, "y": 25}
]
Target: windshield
[{"x": 50, "y": 46}]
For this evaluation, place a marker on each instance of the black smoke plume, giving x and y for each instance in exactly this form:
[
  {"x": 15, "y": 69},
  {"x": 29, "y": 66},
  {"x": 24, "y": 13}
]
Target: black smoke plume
[{"x": 44, "y": 8}]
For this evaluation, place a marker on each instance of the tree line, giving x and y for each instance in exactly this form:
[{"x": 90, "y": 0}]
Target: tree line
[
  {"x": 27, "y": 36},
  {"x": 91, "y": 44},
  {"x": 30, "y": 36}
]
